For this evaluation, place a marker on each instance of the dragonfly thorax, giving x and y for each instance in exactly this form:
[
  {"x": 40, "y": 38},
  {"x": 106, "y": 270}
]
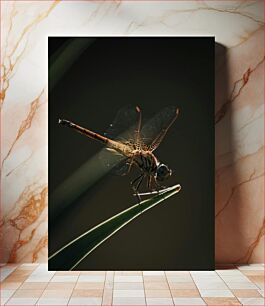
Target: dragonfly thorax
[
  {"x": 146, "y": 161},
  {"x": 149, "y": 164}
]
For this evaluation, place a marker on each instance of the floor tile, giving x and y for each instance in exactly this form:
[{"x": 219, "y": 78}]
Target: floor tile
[
  {"x": 85, "y": 301},
  {"x": 91, "y": 278},
  {"x": 87, "y": 293},
  {"x": 253, "y": 272},
  {"x": 188, "y": 301},
  {"x": 28, "y": 266},
  {"x": 67, "y": 273},
  {"x": 107, "y": 297},
  {"x": 53, "y": 301},
  {"x": 10, "y": 285},
  {"x": 159, "y": 301},
  {"x": 157, "y": 293},
  {"x": 251, "y": 267},
  {"x": 209, "y": 272},
  {"x": 3, "y": 300},
  {"x": 235, "y": 278},
  {"x": 64, "y": 279},
  {"x": 108, "y": 285},
  {"x": 210, "y": 279},
  {"x": 39, "y": 278},
  {"x": 6, "y": 293},
  {"x": 22, "y": 272},
  {"x": 42, "y": 271},
  {"x": 211, "y": 285},
  {"x": 216, "y": 293},
  {"x": 260, "y": 285},
  {"x": 128, "y": 279},
  {"x": 33, "y": 286},
  {"x": 129, "y": 286},
  {"x": 128, "y": 273},
  {"x": 97, "y": 273},
  {"x": 28, "y": 293},
  {"x": 202, "y": 278},
  {"x": 128, "y": 293},
  {"x": 43, "y": 266},
  {"x": 185, "y": 293},
  {"x": 22, "y": 301},
  {"x": 6, "y": 271},
  {"x": 203, "y": 273},
  {"x": 173, "y": 273},
  {"x": 87, "y": 285},
  {"x": 252, "y": 301},
  {"x": 156, "y": 285},
  {"x": 128, "y": 301},
  {"x": 152, "y": 273},
  {"x": 261, "y": 292},
  {"x": 241, "y": 285},
  {"x": 256, "y": 278},
  {"x": 16, "y": 278},
  {"x": 154, "y": 278},
  {"x": 179, "y": 278},
  {"x": 60, "y": 286},
  {"x": 56, "y": 294},
  {"x": 182, "y": 286},
  {"x": 246, "y": 293},
  {"x": 109, "y": 274},
  {"x": 218, "y": 301},
  {"x": 232, "y": 272}
]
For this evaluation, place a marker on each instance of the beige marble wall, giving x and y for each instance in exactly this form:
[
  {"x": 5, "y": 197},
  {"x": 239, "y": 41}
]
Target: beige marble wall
[{"x": 238, "y": 27}]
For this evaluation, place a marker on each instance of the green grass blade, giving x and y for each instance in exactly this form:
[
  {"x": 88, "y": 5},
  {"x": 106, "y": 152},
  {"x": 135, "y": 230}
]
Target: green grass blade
[{"x": 69, "y": 256}]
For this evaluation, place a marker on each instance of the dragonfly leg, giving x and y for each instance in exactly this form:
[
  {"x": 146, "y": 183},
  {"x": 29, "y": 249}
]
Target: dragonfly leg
[
  {"x": 138, "y": 127},
  {"x": 149, "y": 182},
  {"x": 139, "y": 181},
  {"x": 130, "y": 165},
  {"x": 137, "y": 193},
  {"x": 158, "y": 187}
]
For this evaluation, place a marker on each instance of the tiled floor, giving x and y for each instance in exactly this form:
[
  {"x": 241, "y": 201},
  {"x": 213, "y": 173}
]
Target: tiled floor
[{"x": 33, "y": 284}]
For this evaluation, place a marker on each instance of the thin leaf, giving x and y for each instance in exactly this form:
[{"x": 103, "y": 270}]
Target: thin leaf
[{"x": 73, "y": 253}]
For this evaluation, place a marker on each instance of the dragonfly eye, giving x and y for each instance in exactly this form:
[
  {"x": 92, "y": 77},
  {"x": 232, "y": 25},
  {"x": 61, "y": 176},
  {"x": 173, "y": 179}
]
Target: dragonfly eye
[{"x": 163, "y": 172}]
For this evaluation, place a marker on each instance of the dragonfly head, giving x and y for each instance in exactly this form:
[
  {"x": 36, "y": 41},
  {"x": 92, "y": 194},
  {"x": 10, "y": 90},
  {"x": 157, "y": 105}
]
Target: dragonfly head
[{"x": 163, "y": 172}]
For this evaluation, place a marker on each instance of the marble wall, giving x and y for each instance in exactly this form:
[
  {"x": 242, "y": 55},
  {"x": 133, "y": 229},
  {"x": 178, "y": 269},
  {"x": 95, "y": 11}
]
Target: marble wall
[{"x": 238, "y": 27}]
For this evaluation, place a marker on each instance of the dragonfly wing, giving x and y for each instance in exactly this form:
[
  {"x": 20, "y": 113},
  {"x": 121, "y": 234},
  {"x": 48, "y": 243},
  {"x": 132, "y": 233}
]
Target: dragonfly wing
[
  {"x": 124, "y": 125},
  {"x": 154, "y": 131},
  {"x": 110, "y": 158},
  {"x": 124, "y": 128},
  {"x": 123, "y": 168}
]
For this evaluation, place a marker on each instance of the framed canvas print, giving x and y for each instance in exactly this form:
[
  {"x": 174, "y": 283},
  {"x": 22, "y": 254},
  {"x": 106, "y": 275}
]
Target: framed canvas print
[{"x": 131, "y": 153}]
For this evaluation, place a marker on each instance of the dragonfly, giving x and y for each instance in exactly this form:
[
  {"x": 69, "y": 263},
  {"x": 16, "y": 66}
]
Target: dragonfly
[{"x": 135, "y": 145}]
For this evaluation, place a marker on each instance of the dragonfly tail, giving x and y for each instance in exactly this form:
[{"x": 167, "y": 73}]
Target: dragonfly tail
[{"x": 83, "y": 131}]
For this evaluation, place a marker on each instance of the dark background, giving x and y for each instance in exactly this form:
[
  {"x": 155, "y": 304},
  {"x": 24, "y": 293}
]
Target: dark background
[{"x": 151, "y": 73}]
